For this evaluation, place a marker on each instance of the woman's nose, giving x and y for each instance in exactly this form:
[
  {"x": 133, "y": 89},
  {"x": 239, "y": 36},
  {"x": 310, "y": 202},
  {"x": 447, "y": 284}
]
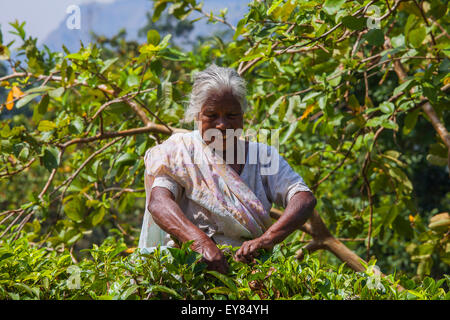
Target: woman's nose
[{"x": 221, "y": 124}]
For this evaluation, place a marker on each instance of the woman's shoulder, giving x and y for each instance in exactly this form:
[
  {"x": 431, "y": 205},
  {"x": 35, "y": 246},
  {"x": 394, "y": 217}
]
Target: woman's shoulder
[
  {"x": 184, "y": 137},
  {"x": 263, "y": 158},
  {"x": 175, "y": 139},
  {"x": 174, "y": 144},
  {"x": 177, "y": 136},
  {"x": 261, "y": 150}
]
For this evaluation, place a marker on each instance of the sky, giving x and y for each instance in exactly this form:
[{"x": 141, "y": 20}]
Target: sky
[{"x": 41, "y": 16}]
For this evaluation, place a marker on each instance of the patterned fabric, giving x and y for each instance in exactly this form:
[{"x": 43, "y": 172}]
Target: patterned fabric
[{"x": 228, "y": 206}]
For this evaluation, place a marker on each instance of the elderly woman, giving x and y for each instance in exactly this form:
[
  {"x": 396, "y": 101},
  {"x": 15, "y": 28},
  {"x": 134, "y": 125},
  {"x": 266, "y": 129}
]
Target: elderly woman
[{"x": 211, "y": 187}]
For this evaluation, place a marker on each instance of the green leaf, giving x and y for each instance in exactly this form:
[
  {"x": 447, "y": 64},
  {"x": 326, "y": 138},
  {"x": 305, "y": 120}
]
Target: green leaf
[
  {"x": 173, "y": 55},
  {"x": 56, "y": 93},
  {"x": 24, "y": 153},
  {"x": 25, "y": 288},
  {"x": 74, "y": 209},
  {"x": 50, "y": 159},
  {"x": 389, "y": 124},
  {"x": 251, "y": 57},
  {"x": 6, "y": 131},
  {"x": 354, "y": 103},
  {"x": 46, "y": 125},
  {"x": 403, "y": 86},
  {"x": 438, "y": 10},
  {"x": 390, "y": 216},
  {"x": 352, "y": 126},
  {"x": 39, "y": 89},
  {"x": 128, "y": 292},
  {"x": 156, "y": 67},
  {"x": 98, "y": 216},
  {"x": 6, "y": 256},
  {"x": 294, "y": 103},
  {"x": 281, "y": 111},
  {"x": 430, "y": 91},
  {"x": 354, "y": 23},
  {"x": 311, "y": 96},
  {"x": 375, "y": 37},
  {"x": 416, "y": 36},
  {"x": 108, "y": 63},
  {"x": 276, "y": 104},
  {"x": 332, "y": 6},
  {"x": 226, "y": 280},
  {"x": 387, "y": 107},
  {"x": 400, "y": 176},
  {"x": 159, "y": 8},
  {"x": 436, "y": 160},
  {"x": 165, "y": 42},
  {"x": 77, "y": 125},
  {"x": 274, "y": 5},
  {"x": 63, "y": 72},
  {"x": 376, "y": 121},
  {"x": 23, "y": 101},
  {"x": 75, "y": 56},
  {"x": 291, "y": 129},
  {"x": 410, "y": 121},
  {"x": 282, "y": 13},
  {"x": 240, "y": 26},
  {"x": 416, "y": 294},
  {"x": 410, "y": 24},
  {"x": 438, "y": 149},
  {"x": 153, "y": 37},
  {"x": 43, "y": 104},
  {"x": 160, "y": 288},
  {"x": 219, "y": 290},
  {"x": 4, "y": 52},
  {"x": 132, "y": 80},
  {"x": 126, "y": 159},
  {"x": 14, "y": 296}
]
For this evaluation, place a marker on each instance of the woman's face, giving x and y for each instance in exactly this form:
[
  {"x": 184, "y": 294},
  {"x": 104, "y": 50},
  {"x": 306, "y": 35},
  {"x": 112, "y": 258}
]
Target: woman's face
[{"x": 221, "y": 111}]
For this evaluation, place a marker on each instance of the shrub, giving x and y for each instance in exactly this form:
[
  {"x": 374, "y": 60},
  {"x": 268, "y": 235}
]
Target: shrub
[{"x": 28, "y": 271}]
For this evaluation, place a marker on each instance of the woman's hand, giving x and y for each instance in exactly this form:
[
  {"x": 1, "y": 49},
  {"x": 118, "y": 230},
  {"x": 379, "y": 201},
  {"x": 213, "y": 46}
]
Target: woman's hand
[
  {"x": 298, "y": 210},
  {"x": 212, "y": 256},
  {"x": 249, "y": 249},
  {"x": 168, "y": 215}
]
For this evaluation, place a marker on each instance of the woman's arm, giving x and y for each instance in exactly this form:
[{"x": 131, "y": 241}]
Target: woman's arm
[
  {"x": 298, "y": 210},
  {"x": 168, "y": 215}
]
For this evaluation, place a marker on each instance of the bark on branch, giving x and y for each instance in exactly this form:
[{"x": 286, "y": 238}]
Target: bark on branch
[
  {"x": 426, "y": 106},
  {"x": 324, "y": 240}
]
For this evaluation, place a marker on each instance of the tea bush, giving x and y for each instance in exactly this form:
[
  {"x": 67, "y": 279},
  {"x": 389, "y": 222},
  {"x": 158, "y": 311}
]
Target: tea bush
[{"x": 28, "y": 271}]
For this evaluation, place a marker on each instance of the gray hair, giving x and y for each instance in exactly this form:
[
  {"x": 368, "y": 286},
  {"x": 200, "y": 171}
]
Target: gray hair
[{"x": 211, "y": 80}]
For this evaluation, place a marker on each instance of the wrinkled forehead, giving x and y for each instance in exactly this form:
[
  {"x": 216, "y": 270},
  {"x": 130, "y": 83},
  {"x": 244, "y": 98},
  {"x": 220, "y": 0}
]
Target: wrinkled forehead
[{"x": 223, "y": 99}]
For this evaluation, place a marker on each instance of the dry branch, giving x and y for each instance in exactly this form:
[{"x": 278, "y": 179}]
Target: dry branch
[
  {"x": 426, "y": 106},
  {"x": 324, "y": 240}
]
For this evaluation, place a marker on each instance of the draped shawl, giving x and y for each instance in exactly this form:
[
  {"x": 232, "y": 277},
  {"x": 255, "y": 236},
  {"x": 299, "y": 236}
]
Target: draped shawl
[{"x": 209, "y": 182}]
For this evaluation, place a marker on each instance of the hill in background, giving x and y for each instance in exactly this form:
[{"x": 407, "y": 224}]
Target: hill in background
[{"x": 107, "y": 19}]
